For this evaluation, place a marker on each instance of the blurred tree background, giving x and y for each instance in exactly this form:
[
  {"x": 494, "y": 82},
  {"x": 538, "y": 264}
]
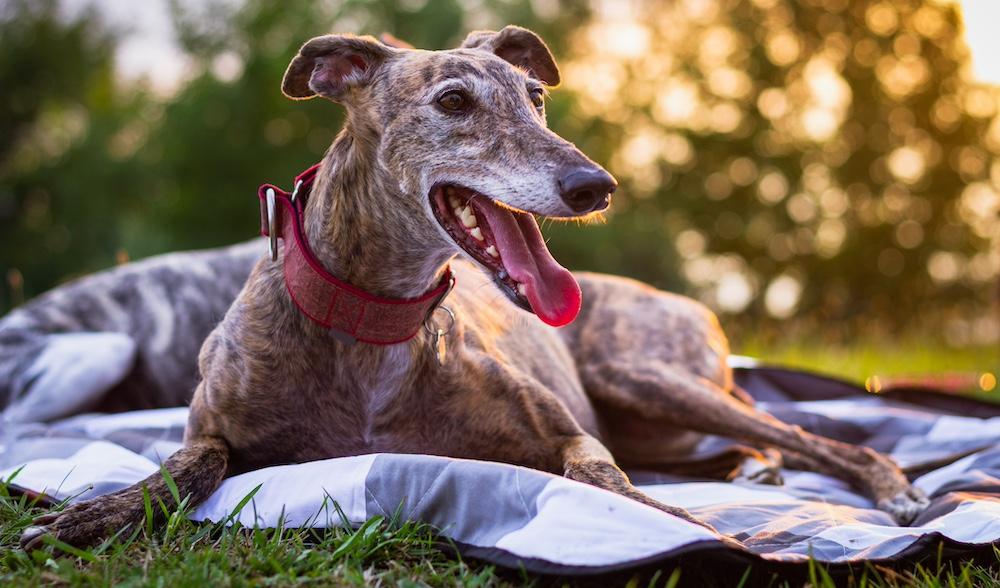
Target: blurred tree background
[{"x": 823, "y": 167}]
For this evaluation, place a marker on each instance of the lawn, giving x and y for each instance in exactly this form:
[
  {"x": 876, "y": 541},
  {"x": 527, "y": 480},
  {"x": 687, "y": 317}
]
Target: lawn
[{"x": 399, "y": 553}]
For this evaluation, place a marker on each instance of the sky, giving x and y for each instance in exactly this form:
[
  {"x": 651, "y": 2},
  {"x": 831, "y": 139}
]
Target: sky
[{"x": 148, "y": 48}]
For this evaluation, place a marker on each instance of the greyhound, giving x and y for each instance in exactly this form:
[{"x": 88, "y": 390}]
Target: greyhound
[{"x": 377, "y": 323}]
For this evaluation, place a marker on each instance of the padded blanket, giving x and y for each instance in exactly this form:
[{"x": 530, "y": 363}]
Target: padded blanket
[{"x": 518, "y": 517}]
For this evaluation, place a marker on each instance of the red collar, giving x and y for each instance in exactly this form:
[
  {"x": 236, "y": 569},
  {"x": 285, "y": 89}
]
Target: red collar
[{"x": 349, "y": 312}]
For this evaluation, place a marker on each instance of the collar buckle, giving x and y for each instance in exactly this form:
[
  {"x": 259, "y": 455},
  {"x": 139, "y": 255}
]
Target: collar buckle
[{"x": 272, "y": 225}]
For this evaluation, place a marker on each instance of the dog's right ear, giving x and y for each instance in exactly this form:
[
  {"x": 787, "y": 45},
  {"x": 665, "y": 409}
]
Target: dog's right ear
[{"x": 329, "y": 66}]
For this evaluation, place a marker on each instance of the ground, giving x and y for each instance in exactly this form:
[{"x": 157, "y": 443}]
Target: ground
[{"x": 395, "y": 553}]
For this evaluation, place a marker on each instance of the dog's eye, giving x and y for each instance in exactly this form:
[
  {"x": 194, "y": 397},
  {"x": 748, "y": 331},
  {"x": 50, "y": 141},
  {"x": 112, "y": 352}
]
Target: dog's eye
[
  {"x": 537, "y": 97},
  {"x": 454, "y": 101}
]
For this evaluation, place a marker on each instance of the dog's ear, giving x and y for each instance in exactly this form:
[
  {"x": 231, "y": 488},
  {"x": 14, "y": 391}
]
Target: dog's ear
[
  {"x": 331, "y": 65},
  {"x": 520, "y": 47}
]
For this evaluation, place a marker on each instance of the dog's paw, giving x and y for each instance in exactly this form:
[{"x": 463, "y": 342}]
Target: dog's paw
[
  {"x": 678, "y": 512},
  {"x": 757, "y": 471},
  {"x": 905, "y": 506},
  {"x": 79, "y": 525}
]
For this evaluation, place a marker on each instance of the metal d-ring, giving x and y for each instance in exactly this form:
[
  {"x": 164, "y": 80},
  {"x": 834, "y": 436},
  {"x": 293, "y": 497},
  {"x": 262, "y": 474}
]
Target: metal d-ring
[
  {"x": 428, "y": 322},
  {"x": 272, "y": 225},
  {"x": 295, "y": 191},
  {"x": 439, "y": 339}
]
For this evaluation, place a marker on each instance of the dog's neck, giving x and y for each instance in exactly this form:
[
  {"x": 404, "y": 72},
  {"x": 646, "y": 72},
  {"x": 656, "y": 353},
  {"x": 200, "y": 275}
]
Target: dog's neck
[{"x": 364, "y": 230}]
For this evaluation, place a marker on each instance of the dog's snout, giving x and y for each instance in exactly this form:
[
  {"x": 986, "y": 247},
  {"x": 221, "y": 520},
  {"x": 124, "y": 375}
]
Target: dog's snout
[{"x": 586, "y": 189}]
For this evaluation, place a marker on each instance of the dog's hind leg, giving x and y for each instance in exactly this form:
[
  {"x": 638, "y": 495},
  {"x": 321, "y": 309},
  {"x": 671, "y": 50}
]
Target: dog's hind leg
[
  {"x": 196, "y": 469},
  {"x": 674, "y": 395},
  {"x": 644, "y": 444},
  {"x": 736, "y": 463}
]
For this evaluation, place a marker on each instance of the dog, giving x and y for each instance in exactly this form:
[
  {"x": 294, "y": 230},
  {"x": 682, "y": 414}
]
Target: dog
[{"x": 377, "y": 323}]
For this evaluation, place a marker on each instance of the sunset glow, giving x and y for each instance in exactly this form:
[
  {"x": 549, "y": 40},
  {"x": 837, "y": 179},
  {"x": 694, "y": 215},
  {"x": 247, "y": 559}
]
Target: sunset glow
[{"x": 980, "y": 18}]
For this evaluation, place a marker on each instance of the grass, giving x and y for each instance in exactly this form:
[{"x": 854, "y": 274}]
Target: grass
[
  {"x": 887, "y": 360},
  {"x": 391, "y": 552}
]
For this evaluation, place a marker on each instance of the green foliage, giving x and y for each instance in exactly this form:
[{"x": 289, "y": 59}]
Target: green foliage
[
  {"x": 835, "y": 145},
  {"x": 60, "y": 191},
  {"x": 765, "y": 147}
]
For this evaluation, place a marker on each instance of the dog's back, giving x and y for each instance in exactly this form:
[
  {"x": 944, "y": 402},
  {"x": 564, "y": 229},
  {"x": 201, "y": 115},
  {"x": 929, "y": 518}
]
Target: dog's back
[{"x": 65, "y": 350}]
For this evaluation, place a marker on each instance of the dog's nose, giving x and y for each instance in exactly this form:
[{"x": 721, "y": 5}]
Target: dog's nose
[{"x": 587, "y": 189}]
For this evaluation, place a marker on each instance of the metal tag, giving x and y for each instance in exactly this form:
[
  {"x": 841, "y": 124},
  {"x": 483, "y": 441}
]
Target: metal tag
[{"x": 440, "y": 343}]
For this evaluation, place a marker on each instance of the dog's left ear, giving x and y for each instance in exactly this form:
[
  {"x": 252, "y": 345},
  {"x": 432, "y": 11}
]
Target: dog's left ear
[
  {"x": 331, "y": 65},
  {"x": 520, "y": 47}
]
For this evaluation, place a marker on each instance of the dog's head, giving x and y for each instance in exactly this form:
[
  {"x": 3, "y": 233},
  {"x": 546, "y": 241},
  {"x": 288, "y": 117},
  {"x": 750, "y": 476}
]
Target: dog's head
[{"x": 463, "y": 132}]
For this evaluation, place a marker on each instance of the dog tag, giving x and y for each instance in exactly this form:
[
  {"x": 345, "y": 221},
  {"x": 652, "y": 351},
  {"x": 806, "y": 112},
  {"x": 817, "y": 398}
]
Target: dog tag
[{"x": 440, "y": 346}]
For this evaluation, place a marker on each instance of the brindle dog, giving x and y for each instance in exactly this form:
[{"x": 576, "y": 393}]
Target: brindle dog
[{"x": 436, "y": 145}]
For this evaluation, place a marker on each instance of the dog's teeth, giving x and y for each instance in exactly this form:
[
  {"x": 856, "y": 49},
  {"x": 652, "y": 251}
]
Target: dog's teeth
[
  {"x": 522, "y": 290},
  {"x": 468, "y": 218},
  {"x": 477, "y": 234},
  {"x": 492, "y": 251}
]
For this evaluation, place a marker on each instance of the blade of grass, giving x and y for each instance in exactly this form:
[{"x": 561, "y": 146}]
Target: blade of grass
[
  {"x": 67, "y": 548},
  {"x": 357, "y": 537},
  {"x": 171, "y": 485},
  {"x": 241, "y": 504},
  {"x": 147, "y": 504}
]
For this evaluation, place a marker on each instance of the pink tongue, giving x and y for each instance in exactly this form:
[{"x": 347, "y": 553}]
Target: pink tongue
[{"x": 552, "y": 291}]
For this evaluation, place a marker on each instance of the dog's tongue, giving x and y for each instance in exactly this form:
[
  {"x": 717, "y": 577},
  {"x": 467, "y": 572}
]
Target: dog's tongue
[{"x": 552, "y": 291}]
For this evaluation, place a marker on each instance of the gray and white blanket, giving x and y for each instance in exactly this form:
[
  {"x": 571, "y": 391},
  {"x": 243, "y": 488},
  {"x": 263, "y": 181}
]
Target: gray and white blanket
[{"x": 518, "y": 517}]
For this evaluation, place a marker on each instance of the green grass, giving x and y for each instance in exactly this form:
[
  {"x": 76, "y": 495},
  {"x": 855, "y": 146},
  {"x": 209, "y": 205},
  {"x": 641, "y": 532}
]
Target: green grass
[
  {"x": 391, "y": 552},
  {"x": 885, "y": 359}
]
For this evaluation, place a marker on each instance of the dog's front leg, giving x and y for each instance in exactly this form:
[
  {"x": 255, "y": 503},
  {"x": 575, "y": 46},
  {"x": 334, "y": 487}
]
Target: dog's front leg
[
  {"x": 586, "y": 460},
  {"x": 196, "y": 469}
]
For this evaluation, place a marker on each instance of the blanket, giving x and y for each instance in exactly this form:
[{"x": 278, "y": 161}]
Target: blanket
[{"x": 521, "y": 518}]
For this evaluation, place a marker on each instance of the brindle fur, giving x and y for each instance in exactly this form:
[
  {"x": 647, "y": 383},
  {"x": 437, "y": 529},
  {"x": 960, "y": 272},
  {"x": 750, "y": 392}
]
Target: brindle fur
[{"x": 636, "y": 379}]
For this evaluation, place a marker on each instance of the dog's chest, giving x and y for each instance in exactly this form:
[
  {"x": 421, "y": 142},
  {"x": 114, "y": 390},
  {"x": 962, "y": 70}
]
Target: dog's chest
[
  {"x": 382, "y": 386},
  {"x": 359, "y": 413}
]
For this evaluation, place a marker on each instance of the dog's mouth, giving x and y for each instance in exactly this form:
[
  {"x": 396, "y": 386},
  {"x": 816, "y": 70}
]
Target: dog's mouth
[{"x": 510, "y": 246}]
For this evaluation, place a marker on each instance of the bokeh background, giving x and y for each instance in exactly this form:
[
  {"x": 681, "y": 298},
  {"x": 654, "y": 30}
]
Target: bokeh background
[{"x": 820, "y": 169}]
